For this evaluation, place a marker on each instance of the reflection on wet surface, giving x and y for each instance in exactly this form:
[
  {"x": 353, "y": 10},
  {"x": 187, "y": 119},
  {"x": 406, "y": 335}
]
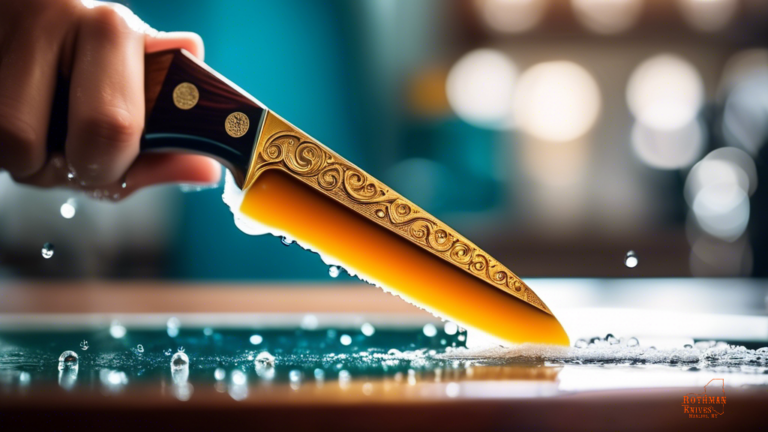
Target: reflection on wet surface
[{"x": 349, "y": 364}]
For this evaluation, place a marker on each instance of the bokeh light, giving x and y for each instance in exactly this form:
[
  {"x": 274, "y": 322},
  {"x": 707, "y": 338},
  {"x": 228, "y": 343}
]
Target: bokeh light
[
  {"x": 480, "y": 87},
  {"x": 607, "y": 16},
  {"x": 556, "y": 101},
  {"x": 743, "y": 66},
  {"x": 512, "y": 16},
  {"x": 718, "y": 189},
  {"x": 665, "y": 92},
  {"x": 669, "y": 149},
  {"x": 708, "y": 15},
  {"x": 744, "y": 86}
]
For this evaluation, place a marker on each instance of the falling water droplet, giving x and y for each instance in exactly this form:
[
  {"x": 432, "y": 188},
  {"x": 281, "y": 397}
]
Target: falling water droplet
[
  {"x": 140, "y": 348},
  {"x": 334, "y": 271},
  {"x": 47, "y": 250},
  {"x": 116, "y": 330},
  {"x": 68, "y": 359},
  {"x": 68, "y": 209},
  {"x": 286, "y": 241},
  {"x": 256, "y": 339},
  {"x": 345, "y": 339},
  {"x": 630, "y": 260},
  {"x": 430, "y": 330},
  {"x": 265, "y": 358},
  {"x": 179, "y": 361},
  {"x": 368, "y": 329}
]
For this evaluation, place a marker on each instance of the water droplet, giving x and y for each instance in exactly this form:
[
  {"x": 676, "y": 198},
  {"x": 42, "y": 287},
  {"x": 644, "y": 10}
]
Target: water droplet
[
  {"x": 380, "y": 213},
  {"x": 256, "y": 339},
  {"x": 344, "y": 378},
  {"x": 265, "y": 358},
  {"x": 84, "y": 345},
  {"x": 68, "y": 209},
  {"x": 345, "y": 339},
  {"x": 688, "y": 346},
  {"x": 430, "y": 330},
  {"x": 452, "y": 390},
  {"x": 319, "y": 374},
  {"x": 47, "y": 250},
  {"x": 368, "y": 329},
  {"x": 207, "y": 331},
  {"x": 611, "y": 339},
  {"x": 334, "y": 271},
  {"x": 168, "y": 352},
  {"x": 581, "y": 343},
  {"x": 286, "y": 240},
  {"x": 238, "y": 377},
  {"x": 179, "y": 360},
  {"x": 140, "y": 348},
  {"x": 68, "y": 359},
  {"x": 309, "y": 322},
  {"x": 632, "y": 342},
  {"x": 451, "y": 328},
  {"x": 219, "y": 374},
  {"x": 172, "y": 326},
  {"x": 180, "y": 349},
  {"x": 294, "y": 375},
  {"x": 630, "y": 260},
  {"x": 116, "y": 330},
  {"x": 124, "y": 185}
]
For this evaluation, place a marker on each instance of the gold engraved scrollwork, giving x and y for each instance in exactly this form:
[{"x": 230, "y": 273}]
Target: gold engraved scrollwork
[{"x": 283, "y": 146}]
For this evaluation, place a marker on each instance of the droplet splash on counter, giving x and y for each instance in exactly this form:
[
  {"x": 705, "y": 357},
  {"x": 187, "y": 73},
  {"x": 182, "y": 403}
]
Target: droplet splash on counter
[
  {"x": 68, "y": 359},
  {"x": 47, "y": 250},
  {"x": 265, "y": 358},
  {"x": 631, "y": 260},
  {"x": 179, "y": 360}
]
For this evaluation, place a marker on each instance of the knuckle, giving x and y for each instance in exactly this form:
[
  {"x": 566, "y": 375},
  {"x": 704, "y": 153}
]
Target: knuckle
[
  {"x": 117, "y": 128},
  {"x": 108, "y": 21},
  {"x": 21, "y": 146}
]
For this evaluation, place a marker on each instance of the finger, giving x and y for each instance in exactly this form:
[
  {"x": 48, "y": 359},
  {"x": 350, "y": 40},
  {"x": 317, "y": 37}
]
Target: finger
[
  {"x": 157, "y": 168},
  {"x": 27, "y": 82},
  {"x": 189, "y": 41},
  {"x": 149, "y": 169},
  {"x": 106, "y": 111}
]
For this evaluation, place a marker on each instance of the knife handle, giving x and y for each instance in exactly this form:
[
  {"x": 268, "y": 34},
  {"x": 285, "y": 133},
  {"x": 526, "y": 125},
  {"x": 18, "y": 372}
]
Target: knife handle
[{"x": 189, "y": 108}]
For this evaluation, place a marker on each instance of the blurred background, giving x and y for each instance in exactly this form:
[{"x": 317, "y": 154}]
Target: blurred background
[{"x": 559, "y": 135}]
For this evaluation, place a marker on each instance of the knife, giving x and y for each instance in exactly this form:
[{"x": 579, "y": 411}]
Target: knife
[{"x": 296, "y": 185}]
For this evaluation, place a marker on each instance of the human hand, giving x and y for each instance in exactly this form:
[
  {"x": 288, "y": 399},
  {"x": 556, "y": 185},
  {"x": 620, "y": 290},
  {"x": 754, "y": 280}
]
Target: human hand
[{"x": 99, "y": 47}]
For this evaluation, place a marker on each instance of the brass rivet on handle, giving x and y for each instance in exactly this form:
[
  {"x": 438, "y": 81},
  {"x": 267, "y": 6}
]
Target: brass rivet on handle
[
  {"x": 236, "y": 124},
  {"x": 185, "y": 96}
]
